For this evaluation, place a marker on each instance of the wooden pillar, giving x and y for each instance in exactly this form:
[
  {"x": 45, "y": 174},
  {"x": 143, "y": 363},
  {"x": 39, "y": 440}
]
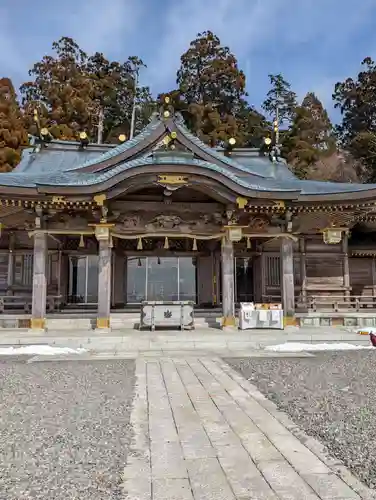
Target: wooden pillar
[
  {"x": 102, "y": 233},
  {"x": 303, "y": 269},
  {"x": 346, "y": 268},
  {"x": 287, "y": 277},
  {"x": 38, "y": 311},
  {"x": 10, "y": 278},
  {"x": 228, "y": 283}
]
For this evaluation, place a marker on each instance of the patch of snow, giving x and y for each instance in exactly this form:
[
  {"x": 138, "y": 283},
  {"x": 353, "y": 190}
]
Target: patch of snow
[
  {"x": 299, "y": 347},
  {"x": 41, "y": 350}
]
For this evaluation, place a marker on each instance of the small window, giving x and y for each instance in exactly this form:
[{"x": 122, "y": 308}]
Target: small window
[{"x": 273, "y": 271}]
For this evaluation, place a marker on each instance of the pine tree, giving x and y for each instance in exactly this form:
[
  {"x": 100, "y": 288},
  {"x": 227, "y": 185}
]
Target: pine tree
[
  {"x": 72, "y": 90},
  {"x": 13, "y": 136},
  {"x": 280, "y": 100},
  {"x": 310, "y": 137},
  {"x": 356, "y": 99},
  {"x": 211, "y": 89}
]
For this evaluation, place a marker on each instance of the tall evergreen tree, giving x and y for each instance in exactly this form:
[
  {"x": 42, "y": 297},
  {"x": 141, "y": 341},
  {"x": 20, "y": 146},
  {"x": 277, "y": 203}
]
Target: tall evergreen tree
[
  {"x": 76, "y": 92},
  {"x": 60, "y": 91},
  {"x": 212, "y": 89},
  {"x": 13, "y": 135},
  {"x": 310, "y": 137},
  {"x": 280, "y": 100},
  {"x": 356, "y": 99}
]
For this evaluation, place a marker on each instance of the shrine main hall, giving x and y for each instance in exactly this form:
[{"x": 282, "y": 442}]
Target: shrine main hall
[{"x": 96, "y": 229}]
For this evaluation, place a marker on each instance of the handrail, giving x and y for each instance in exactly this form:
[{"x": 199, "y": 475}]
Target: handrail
[
  {"x": 337, "y": 302},
  {"x": 53, "y": 302}
]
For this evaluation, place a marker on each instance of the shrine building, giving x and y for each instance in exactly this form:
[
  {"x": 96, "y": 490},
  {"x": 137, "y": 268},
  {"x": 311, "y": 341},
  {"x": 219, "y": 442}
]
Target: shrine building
[{"x": 95, "y": 229}]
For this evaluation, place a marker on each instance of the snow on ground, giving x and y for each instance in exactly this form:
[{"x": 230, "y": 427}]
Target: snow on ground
[
  {"x": 41, "y": 350},
  {"x": 299, "y": 347}
]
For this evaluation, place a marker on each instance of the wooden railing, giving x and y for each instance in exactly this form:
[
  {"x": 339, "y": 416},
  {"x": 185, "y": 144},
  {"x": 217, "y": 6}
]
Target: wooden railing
[
  {"x": 340, "y": 302},
  {"x": 12, "y": 302},
  {"x": 329, "y": 302}
]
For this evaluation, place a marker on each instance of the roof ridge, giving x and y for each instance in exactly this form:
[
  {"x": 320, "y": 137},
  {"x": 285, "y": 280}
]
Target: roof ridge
[
  {"x": 213, "y": 152},
  {"x": 121, "y": 148}
]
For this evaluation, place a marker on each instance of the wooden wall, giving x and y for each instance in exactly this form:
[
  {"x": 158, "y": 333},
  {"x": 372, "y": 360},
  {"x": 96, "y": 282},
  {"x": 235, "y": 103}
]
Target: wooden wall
[{"x": 362, "y": 275}]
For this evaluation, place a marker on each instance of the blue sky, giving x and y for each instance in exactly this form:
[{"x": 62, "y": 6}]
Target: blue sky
[{"x": 314, "y": 43}]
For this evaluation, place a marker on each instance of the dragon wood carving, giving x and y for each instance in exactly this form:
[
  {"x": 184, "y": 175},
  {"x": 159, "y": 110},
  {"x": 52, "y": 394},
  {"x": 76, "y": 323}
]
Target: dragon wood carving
[
  {"x": 171, "y": 222},
  {"x": 258, "y": 223}
]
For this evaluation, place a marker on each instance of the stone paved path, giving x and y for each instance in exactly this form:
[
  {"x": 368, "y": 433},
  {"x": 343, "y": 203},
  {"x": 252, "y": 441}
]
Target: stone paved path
[{"x": 202, "y": 432}]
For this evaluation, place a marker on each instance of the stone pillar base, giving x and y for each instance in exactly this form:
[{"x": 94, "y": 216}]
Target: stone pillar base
[
  {"x": 228, "y": 321},
  {"x": 290, "y": 321},
  {"x": 103, "y": 323},
  {"x": 38, "y": 324}
]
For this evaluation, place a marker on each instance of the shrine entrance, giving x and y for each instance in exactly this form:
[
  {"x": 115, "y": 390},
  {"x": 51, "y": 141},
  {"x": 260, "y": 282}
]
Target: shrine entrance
[
  {"x": 83, "y": 280},
  {"x": 244, "y": 280},
  {"x": 160, "y": 278}
]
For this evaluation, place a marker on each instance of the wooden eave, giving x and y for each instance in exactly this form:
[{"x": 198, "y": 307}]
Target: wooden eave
[
  {"x": 363, "y": 253},
  {"x": 356, "y": 196},
  {"x": 139, "y": 173},
  {"x": 328, "y": 206}
]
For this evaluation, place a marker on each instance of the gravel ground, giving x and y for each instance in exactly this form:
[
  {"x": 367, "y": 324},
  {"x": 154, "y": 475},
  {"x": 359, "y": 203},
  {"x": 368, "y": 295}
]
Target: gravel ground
[
  {"x": 64, "y": 428},
  {"x": 331, "y": 396}
]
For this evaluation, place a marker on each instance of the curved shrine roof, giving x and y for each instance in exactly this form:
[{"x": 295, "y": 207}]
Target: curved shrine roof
[{"x": 65, "y": 163}]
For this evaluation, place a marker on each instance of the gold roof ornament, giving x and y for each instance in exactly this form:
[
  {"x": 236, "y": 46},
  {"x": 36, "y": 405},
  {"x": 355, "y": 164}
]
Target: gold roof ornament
[
  {"x": 241, "y": 202},
  {"x": 232, "y": 141},
  {"x": 44, "y": 131},
  {"x": 170, "y": 179},
  {"x": 166, "y": 109},
  {"x": 122, "y": 137},
  {"x": 83, "y": 135},
  {"x": 267, "y": 141}
]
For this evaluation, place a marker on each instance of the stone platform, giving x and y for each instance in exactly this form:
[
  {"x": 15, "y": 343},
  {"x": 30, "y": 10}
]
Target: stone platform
[
  {"x": 68, "y": 321},
  {"x": 223, "y": 342},
  {"x": 203, "y": 432}
]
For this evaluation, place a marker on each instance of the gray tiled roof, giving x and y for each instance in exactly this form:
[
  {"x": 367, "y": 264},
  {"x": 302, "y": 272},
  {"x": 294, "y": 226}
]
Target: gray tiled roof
[
  {"x": 60, "y": 164},
  {"x": 261, "y": 165},
  {"x": 64, "y": 178},
  {"x": 48, "y": 161},
  {"x": 244, "y": 180},
  {"x": 111, "y": 153}
]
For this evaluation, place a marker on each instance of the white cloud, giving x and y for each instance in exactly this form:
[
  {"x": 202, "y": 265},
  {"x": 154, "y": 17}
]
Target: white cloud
[
  {"x": 251, "y": 25},
  {"x": 104, "y": 26},
  {"x": 251, "y": 28},
  {"x": 11, "y": 59},
  {"x": 95, "y": 25}
]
